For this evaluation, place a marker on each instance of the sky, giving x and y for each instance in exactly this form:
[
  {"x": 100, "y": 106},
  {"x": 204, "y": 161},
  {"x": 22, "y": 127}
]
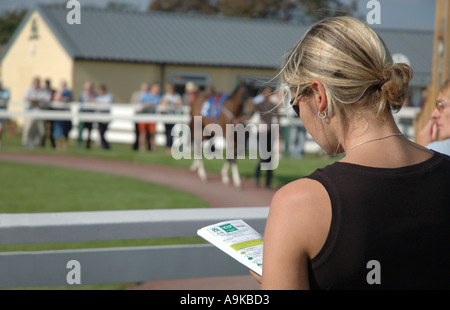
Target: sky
[{"x": 395, "y": 14}]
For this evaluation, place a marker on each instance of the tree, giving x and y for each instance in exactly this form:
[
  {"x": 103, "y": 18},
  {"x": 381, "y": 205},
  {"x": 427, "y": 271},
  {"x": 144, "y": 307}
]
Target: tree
[
  {"x": 269, "y": 9},
  {"x": 127, "y": 7},
  {"x": 184, "y": 6},
  {"x": 310, "y": 10},
  {"x": 9, "y": 21},
  {"x": 316, "y": 10}
]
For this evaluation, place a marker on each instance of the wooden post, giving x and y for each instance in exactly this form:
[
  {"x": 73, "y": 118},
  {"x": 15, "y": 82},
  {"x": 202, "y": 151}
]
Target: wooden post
[{"x": 441, "y": 62}]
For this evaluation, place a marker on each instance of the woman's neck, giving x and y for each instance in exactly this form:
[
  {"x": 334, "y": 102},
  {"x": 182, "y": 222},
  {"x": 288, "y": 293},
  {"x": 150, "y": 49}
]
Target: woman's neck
[
  {"x": 378, "y": 142},
  {"x": 362, "y": 129}
]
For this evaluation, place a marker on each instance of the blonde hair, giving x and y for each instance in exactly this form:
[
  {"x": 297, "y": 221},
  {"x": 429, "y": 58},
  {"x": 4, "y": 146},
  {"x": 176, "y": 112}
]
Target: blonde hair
[{"x": 353, "y": 64}]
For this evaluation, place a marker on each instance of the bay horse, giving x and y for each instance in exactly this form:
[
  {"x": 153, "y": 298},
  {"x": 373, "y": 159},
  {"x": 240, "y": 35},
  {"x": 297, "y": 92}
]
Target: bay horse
[{"x": 233, "y": 110}]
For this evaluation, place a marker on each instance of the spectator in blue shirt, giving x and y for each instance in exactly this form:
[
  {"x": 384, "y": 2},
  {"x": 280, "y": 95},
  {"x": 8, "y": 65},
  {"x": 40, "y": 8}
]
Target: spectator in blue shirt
[
  {"x": 61, "y": 128},
  {"x": 4, "y": 99},
  {"x": 149, "y": 100}
]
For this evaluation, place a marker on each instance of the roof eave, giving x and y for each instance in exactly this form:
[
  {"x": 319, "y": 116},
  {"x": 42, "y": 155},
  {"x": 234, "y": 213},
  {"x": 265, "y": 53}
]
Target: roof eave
[{"x": 177, "y": 63}]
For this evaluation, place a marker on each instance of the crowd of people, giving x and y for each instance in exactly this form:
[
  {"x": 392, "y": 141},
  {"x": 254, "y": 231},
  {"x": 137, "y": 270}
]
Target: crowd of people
[
  {"x": 36, "y": 132},
  {"x": 152, "y": 100},
  {"x": 103, "y": 99}
]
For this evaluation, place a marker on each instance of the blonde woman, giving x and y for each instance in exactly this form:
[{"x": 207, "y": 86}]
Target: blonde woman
[{"x": 379, "y": 217}]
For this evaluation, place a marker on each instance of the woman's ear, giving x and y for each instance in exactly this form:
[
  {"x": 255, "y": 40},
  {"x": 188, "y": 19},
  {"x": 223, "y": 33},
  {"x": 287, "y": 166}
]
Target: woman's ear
[{"x": 320, "y": 96}]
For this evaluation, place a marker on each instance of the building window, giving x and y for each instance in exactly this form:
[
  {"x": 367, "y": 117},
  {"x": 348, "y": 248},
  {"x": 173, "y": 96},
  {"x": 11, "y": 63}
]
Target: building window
[
  {"x": 261, "y": 80},
  {"x": 181, "y": 78},
  {"x": 34, "y": 30}
]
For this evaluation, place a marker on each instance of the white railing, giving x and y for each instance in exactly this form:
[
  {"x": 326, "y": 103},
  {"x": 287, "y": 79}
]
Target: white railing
[
  {"x": 89, "y": 112},
  {"x": 121, "y": 117},
  {"x": 117, "y": 265},
  {"x": 124, "y": 116}
]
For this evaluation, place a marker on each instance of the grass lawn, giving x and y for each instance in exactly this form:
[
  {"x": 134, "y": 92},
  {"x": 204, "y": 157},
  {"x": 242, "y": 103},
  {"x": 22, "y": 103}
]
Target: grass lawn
[{"x": 27, "y": 188}]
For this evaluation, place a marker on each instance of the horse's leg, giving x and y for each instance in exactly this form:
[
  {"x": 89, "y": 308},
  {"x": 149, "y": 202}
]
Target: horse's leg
[
  {"x": 224, "y": 172},
  {"x": 235, "y": 175},
  {"x": 201, "y": 170},
  {"x": 194, "y": 165},
  {"x": 197, "y": 146}
]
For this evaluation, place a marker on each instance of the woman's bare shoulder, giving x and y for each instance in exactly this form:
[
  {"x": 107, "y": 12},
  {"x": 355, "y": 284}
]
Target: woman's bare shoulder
[
  {"x": 301, "y": 193},
  {"x": 305, "y": 207}
]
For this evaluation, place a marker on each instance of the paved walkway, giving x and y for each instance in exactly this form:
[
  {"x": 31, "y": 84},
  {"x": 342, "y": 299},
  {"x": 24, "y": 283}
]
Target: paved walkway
[{"x": 214, "y": 192}]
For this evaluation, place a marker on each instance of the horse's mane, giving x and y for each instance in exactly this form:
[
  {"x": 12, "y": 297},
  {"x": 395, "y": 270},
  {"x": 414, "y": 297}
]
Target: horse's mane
[{"x": 236, "y": 89}]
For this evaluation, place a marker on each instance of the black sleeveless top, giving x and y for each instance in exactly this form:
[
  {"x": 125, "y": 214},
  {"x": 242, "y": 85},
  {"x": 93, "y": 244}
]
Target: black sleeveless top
[{"x": 390, "y": 228}]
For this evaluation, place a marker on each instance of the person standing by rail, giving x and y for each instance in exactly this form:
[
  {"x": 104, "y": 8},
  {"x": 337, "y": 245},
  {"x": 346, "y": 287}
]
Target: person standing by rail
[
  {"x": 171, "y": 101},
  {"x": 61, "y": 128},
  {"x": 149, "y": 100},
  {"x": 87, "y": 96},
  {"x": 4, "y": 100},
  {"x": 103, "y": 97}
]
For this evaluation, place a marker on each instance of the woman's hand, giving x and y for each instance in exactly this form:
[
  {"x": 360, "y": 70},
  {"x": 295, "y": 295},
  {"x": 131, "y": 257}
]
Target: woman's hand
[
  {"x": 257, "y": 277},
  {"x": 428, "y": 134}
]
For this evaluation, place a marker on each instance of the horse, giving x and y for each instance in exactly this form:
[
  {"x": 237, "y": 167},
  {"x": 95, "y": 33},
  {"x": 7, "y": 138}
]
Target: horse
[{"x": 231, "y": 111}]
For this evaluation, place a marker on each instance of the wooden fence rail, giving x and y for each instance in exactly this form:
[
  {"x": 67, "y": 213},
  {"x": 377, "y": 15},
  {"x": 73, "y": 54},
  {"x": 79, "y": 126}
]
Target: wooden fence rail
[{"x": 116, "y": 265}]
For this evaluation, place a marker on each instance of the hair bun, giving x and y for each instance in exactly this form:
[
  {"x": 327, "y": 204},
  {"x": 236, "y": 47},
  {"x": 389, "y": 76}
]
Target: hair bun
[{"x": 396, "y": 79}]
